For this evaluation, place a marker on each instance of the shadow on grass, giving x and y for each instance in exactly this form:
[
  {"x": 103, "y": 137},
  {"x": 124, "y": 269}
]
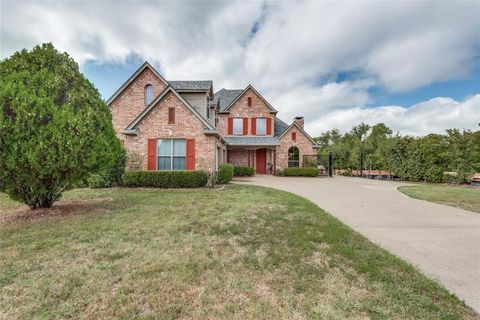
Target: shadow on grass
[{"x": 67, "y": 208}]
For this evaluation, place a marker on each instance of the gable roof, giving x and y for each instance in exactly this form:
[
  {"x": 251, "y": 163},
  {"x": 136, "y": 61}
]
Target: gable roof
[
  {"x": 132, "y": 126},
  {"x": 195, "y": 85},
  {"x": 225, "y": 97},
  {"x": 294, "y": 124},
  {"x": 144, "y": 66},
  {"x": 242, "y": 92}
]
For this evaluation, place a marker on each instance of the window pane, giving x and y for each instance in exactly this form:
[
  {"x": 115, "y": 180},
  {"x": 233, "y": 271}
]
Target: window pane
[
  {"x": 293, "y": 154},
  {"x": 148, "y": 94},
  {"x": 164, "y": 147},
  {"x": 179, "y": 163},
  {"x": 293, "y": 164},
  {"x": 164, "y": 163},
  {"x": 237, "y": 126},
  {"x": 261, "y": 125},
  {"x": 179, "y": 147}
]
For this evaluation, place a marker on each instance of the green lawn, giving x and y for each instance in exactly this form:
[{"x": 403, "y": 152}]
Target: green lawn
[
  {"x": 464, "y": 197},
  {"x": 238, "y": 253}
]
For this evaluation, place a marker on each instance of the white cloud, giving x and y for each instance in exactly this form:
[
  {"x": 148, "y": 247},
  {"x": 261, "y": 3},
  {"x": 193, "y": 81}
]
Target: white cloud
[
  {"x": 432, "y": 116},
  {"x": 293, "y": 58}
]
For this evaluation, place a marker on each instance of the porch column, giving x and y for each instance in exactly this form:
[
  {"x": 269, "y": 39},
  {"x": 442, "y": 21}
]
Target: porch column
[{"x": 274, "y": 161}]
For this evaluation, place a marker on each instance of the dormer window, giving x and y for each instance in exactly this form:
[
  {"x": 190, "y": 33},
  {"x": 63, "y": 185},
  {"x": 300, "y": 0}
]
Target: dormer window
[{"x": 148, "y": 94}]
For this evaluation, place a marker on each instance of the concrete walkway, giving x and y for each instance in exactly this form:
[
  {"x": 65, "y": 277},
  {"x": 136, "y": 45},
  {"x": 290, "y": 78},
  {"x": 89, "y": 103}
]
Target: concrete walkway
[{"x": 442, "y": 241}]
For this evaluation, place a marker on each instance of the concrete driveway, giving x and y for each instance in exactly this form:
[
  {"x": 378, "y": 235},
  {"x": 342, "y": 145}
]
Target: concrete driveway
[{"x": 442, "y": 241}]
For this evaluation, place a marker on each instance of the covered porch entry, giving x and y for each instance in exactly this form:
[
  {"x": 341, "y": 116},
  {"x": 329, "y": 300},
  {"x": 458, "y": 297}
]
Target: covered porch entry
[{"x": 261, "y": 158}]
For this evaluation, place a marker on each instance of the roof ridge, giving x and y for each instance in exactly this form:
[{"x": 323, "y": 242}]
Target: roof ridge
[
  {"x": 152, "y": 105},
  {"x": 144, "y": 65}
]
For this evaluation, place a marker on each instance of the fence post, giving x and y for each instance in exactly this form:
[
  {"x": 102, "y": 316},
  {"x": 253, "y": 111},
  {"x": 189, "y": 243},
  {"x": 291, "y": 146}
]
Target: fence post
[
  {"x": 361, "y": 164},
  {"x": 330, "y": 164}
]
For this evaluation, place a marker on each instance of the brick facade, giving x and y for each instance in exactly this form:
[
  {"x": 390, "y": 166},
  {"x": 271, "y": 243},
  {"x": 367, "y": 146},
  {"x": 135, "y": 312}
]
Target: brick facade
[
  {"x": 240, "y": 109},
  {"x": 128, "y": 105},
  {"x": 302, "y": 142},
  {"x": 210, "y": 148}
]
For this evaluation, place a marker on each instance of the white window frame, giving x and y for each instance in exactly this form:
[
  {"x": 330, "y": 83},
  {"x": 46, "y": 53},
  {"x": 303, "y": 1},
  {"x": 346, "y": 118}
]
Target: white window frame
[
  {"x": 241, "y": 126},
  {"x": 171, "y": 156},
  {"x": 148, "y": 90}
]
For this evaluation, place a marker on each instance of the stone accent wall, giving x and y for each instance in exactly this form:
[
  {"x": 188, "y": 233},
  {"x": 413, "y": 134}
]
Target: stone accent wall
[
  {"x": 186, "y": 126},
  {"x": 128, "y": 105},
  {"x": 302, "y": 142},
  {"x": 241, "y": 109}
]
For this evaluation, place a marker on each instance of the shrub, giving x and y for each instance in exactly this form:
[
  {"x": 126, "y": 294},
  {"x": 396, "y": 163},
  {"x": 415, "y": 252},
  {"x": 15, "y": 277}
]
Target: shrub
[
  {"x": 112, "y": 176},
  {"x": 55, "y": 129},
  {"x": 225, "y": 173},
  {"x": 134, "y": 160},
  {"x": 165, "y": 179},
  {"x": 301, "y": 172},
  {"x": 96, "y": 180},
  {"x": 309, "y": 162},
  {"x": 243, "y": 171}
]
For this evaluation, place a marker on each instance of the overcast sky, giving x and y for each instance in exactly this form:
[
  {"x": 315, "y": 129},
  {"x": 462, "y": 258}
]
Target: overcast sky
[{"x": 413, "y": 65}]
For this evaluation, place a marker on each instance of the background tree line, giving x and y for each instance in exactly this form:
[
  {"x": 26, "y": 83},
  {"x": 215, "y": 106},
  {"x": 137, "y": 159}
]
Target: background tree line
[{"x": 408, "y": 157}]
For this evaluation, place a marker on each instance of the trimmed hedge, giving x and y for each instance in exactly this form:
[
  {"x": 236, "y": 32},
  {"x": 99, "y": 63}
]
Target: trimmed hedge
[
  {"x": 243, "y": 171},
  {"x": 165, "y": 179},
  {"x": 301, "y": 172},
  {"x": 225, "y": 173}
]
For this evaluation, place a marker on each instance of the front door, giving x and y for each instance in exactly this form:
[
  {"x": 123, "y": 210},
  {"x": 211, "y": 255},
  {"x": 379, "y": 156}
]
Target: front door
[{"x": 261, "y": 161}]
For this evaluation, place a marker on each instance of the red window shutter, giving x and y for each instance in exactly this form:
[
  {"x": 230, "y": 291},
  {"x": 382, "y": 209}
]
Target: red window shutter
[
  {"x": 245, "y": 126},
  {"x": 190, "y": 154},
  {"x": 152, "y": 154},
  {"x": 230, "y": 125},
  {"x": 269, "y": 126},
  {"x": 249, "y": 99},
  {"x": 254, "y": 126},
  {"x": 294, "y": 136}
]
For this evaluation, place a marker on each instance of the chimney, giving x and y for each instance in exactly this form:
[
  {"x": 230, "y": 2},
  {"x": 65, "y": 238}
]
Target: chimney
[{"x": 299, "y": 120}]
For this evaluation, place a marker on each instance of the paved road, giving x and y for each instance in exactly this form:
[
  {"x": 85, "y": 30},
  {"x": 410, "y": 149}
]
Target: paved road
[{"x": 442, "y": 241}]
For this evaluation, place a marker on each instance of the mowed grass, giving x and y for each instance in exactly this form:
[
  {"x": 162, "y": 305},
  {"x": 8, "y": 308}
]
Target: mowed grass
[
  {"x": 238, "y": 253},
  {"x": 464, "y": 197}
]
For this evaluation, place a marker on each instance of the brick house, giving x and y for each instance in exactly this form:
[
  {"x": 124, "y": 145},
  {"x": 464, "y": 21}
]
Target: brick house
[{"x": 184, "y": 125}]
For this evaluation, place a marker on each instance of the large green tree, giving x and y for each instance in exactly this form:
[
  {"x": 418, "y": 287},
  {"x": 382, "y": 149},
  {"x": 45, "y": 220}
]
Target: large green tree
[{"x": 54, "y": 127}]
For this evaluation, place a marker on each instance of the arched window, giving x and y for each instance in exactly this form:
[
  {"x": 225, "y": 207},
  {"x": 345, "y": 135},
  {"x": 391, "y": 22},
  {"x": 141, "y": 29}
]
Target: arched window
[
  {"x": 148, "y": 94},
  {"x": 293, "y": 157}
]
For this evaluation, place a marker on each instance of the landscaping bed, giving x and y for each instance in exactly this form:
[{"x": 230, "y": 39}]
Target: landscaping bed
[{"x": 239, "y": 252}]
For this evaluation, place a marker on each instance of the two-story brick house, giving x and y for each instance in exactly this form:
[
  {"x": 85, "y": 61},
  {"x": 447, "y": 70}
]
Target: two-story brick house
[{"x": 183, "y": 125}]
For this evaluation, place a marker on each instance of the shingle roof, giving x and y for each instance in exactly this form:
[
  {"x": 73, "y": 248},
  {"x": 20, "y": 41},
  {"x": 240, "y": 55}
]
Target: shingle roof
[
  {"x": 252, "y": 141},
  {"x": 133, "y": 125},
  {"x": 192, "y": 85},
  {"x": 279, "y": 127},
  {"x": 225, "y": 97},
  {"x": 144, "y": 66}
]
